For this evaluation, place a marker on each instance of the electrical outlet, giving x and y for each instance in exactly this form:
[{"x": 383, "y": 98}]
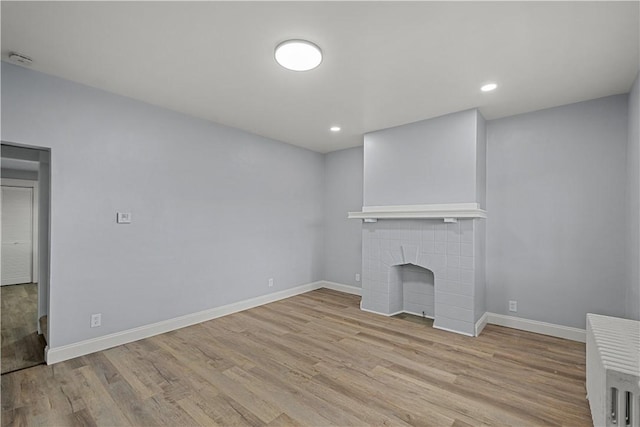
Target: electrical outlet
[
  {"x": 513, "y": 306},
  {"x": 96, "y": 320},
  {"x": 357, "y": 277},
  {"x": 270, "y": 282}
]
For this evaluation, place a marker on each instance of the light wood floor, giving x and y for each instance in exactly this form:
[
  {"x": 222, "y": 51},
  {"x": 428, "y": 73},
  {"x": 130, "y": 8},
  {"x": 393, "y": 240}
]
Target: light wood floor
[
  {"x": 314, "y": 359},
  {"x": 22, "y": 347}
]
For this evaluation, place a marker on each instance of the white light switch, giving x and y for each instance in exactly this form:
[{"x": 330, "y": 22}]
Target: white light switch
[{"x": 124, "y": 218}]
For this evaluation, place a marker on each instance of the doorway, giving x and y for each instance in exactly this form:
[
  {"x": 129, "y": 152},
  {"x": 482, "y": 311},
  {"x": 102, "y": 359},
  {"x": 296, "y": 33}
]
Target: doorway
[
  {"x": 19, "y": 231},
  {"x": 23, "y": 275}
]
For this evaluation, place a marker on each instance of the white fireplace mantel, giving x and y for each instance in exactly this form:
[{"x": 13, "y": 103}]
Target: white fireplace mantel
[{"x": 438, "y": 211}]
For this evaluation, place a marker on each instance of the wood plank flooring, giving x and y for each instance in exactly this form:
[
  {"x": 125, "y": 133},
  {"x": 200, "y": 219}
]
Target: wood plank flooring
[
  {"x": 22, "y": 347},
  {"x": 314, "y": 359}
]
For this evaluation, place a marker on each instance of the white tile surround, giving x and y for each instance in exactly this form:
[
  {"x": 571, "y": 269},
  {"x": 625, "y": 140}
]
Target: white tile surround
[{"x": 446, "y": 249}]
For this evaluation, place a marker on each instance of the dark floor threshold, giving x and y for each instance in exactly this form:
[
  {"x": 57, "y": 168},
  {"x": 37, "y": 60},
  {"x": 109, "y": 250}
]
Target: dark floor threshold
[{"x": 22, "y": 369}]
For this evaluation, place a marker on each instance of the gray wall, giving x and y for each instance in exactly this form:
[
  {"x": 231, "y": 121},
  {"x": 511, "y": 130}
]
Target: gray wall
[
  {"x": 19, "y": 174},
  {"x": 480, "y": 271},
  {"x": 343, "y": 237},
  {"x": 216, "y": 211},
  {"x": 556, "y": 228},
  {"x": 480, "y": 225},
  {"x": 20, "y": 153},
  {"x": 632, "y": 310},
  {"x": 44, "y": 235},
  {"x": 481, "y": 160},
  {"x": 208, "y": 201},
  {"x": 431, "y": 161}
]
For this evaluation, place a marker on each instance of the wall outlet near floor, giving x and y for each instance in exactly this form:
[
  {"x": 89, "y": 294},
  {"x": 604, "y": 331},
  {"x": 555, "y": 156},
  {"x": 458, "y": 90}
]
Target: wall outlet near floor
[
  {"x": 96, "y": 320},
  {"x": 513, "y": 306},
  {"x": 357, "y": 277},
  {"x": 270, "y": 282}
]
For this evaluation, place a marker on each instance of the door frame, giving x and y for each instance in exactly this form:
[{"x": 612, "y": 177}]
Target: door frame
[
  {"x": 25, "y": 183},
  {"x": 41, "y": 155}
]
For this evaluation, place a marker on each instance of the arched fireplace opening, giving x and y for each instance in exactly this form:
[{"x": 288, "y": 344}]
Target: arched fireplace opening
[{"x": 412, "y": 290}]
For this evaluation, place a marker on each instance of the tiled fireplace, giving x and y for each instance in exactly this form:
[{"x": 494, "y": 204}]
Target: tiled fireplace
[
  {"x": 439, "y": 161},
  {"x": 453, "y": 251}
]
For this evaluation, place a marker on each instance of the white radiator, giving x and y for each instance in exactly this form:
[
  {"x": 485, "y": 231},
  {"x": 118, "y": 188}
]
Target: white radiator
[{"x": 613, "y": 371}]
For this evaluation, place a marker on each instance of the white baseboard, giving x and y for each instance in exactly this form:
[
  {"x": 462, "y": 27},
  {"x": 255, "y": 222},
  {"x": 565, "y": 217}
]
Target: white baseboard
[
  {"x": 481, "y": 323},
  {"x": 377, "y": 312},
  {"x": 538, "y": 327},
  {"x": 62, "y": 353},
  {"x": 451, "y": 330},
  {"x": 544, "y": 328},
  {"x": 347, "y": 289},
  {"x": 59, "y": 354},
  {"x": 395, "y": 313},
  {"x": 417, "y": 314}
]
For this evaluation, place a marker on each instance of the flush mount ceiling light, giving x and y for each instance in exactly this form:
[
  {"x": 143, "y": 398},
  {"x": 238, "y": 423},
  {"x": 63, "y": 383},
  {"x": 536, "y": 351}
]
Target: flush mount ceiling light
[
  {"x": 298, "y": 55},
  {"x": 334, "y": 128},
  {"x": 488, "y": 87}
]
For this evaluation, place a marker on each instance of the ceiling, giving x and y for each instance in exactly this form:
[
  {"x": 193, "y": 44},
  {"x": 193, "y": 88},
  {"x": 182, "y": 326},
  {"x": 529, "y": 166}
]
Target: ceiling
[{"x": 385, "y": 63}]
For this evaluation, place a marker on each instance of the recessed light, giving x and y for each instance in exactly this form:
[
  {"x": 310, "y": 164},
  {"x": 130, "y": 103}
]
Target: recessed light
[
  {"x": 334, "y": 128},
  {"x": 298, "y": 55},
  {"x": 488, "y": 87}
]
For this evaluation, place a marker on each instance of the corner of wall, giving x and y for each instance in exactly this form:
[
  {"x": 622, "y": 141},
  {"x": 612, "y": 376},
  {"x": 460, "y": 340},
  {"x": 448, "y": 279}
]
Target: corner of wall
[
  {"x": 481, "y": 161},
  {"x": 342, "y": 237},
  {"x": 480, "y": 259},
  {"x": 632, "y": 295},
  {"x": 325, "y": 214}
]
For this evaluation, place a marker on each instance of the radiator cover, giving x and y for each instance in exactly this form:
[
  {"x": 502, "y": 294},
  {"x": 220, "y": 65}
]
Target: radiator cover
[{"x": 613, "y": 370}]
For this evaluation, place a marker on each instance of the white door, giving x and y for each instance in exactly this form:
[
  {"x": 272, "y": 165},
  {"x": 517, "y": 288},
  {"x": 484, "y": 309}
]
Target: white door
[{"x": 17, "y": 235}]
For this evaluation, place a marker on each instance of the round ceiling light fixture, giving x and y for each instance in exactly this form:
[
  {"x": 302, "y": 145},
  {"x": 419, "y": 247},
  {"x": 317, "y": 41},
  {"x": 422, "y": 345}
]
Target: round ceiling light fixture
[
  {"x": 334, "y": 128},
  {"x": 298, "y": 55},
  {"x": 488, "y": 87}
]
